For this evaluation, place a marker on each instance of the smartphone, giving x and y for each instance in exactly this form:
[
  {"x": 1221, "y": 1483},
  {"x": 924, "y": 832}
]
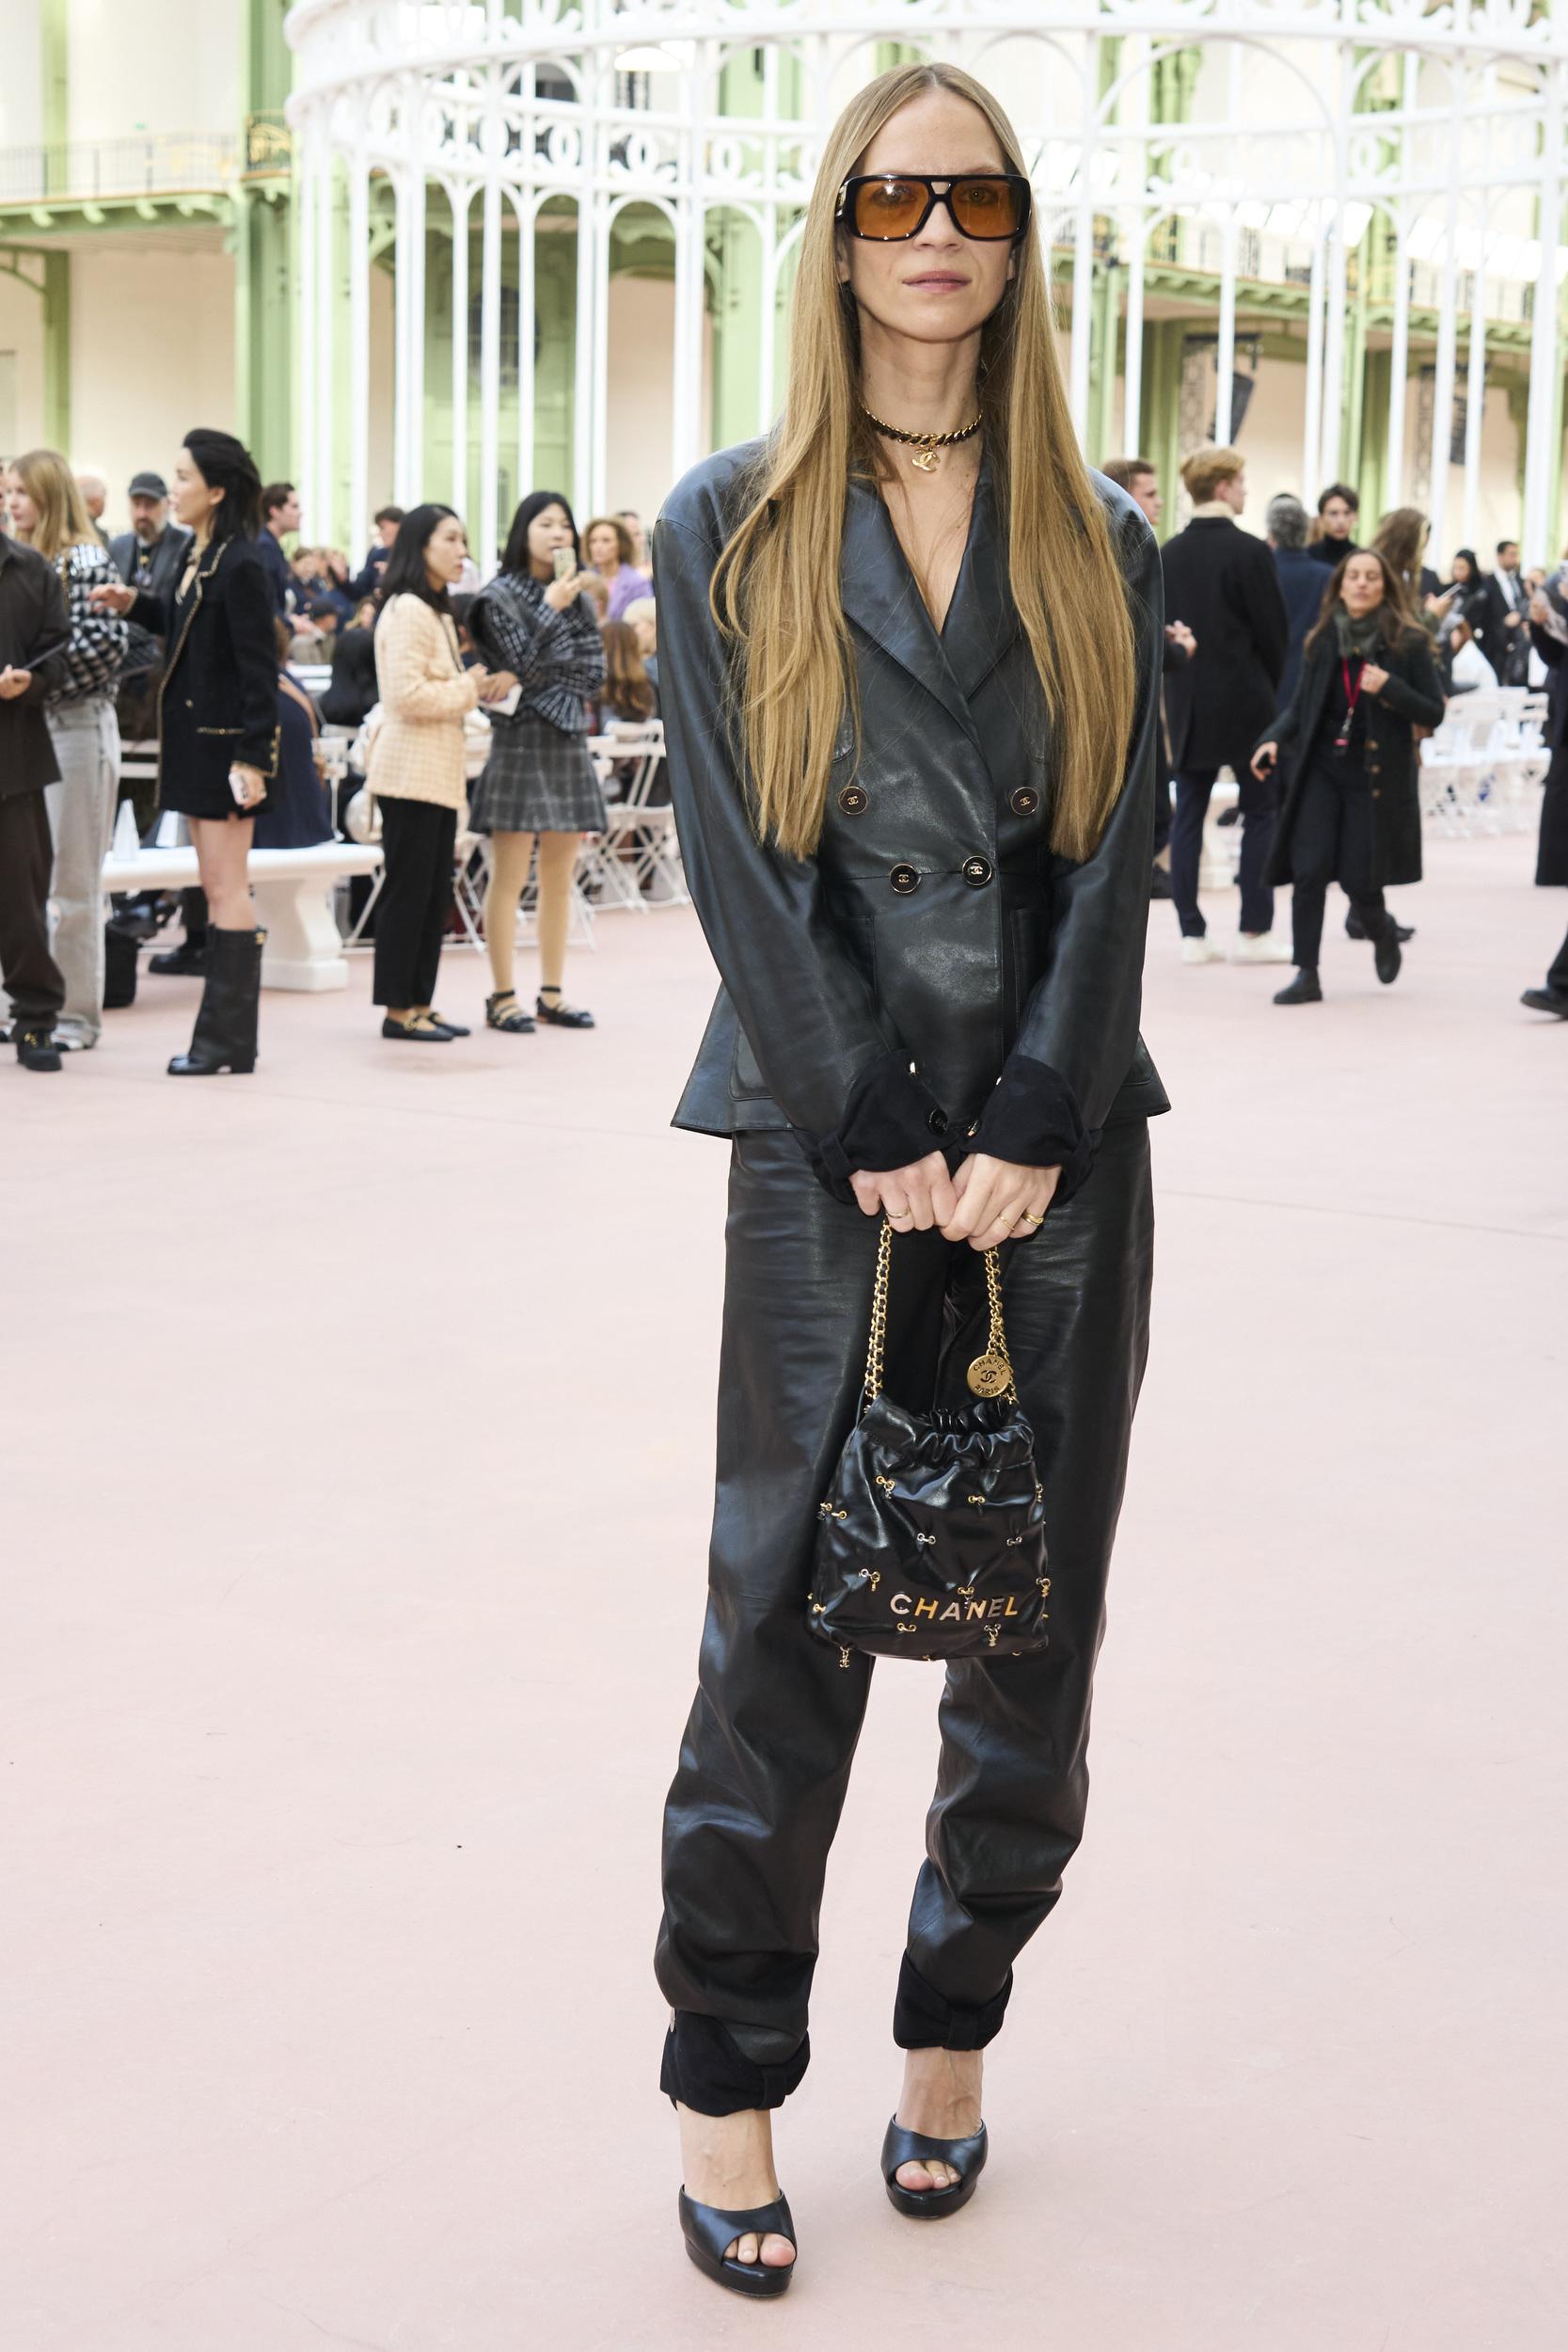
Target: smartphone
[
  {"x": 236, "y": 786},
  {"x": 565, "y": 562}
]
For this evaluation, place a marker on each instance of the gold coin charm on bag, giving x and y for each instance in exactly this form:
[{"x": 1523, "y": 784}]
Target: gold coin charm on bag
[{"x": 991, "y": 1375}]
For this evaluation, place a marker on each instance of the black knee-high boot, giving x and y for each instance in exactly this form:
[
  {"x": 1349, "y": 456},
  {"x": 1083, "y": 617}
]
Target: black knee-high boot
[{"x": 225, "y": 1033}]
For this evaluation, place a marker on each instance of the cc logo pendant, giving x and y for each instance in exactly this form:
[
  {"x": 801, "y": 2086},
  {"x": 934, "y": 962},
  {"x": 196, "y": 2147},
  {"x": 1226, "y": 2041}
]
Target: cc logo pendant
[
  {"x": 927, "y": 461},
  {"x": 988, "y": 1375}
]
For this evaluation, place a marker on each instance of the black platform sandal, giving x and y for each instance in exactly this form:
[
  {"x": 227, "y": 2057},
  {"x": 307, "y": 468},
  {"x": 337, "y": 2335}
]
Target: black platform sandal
[
  {"x": 966, "y": 2156},
  {"x": 502, "y": 1011},
  {"x": 707, "y": 2230}
]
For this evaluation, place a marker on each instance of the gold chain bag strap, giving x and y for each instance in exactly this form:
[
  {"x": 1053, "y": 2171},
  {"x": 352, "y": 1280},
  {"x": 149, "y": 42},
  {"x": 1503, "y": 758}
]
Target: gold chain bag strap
[{"x": 932, "y": 1539}]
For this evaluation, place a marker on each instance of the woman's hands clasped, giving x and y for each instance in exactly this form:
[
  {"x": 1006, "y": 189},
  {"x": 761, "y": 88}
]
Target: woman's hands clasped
[{"x": 987, "y": 1201}]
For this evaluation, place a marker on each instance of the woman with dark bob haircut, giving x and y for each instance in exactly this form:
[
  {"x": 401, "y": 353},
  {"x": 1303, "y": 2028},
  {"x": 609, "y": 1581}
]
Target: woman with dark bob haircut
[
  {"x": 910, "y": 673},
  {"x": 218, "y": 734}
]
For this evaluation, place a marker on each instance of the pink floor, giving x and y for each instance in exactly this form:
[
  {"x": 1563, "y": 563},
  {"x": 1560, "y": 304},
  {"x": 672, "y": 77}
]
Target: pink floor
[{"x": 357, "y": 1440}]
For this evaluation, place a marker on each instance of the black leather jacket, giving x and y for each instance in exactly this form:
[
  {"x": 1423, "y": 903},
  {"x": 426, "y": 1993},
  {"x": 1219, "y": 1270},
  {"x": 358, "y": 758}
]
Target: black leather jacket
[{"x": 933, "y": 925}]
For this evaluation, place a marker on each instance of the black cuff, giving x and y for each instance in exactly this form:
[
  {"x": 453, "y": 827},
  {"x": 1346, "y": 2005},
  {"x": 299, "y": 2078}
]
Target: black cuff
[
  {"x": 921, "y": 2020},
  {"x": 890, "y": 1120},
  {"x": 706, "y": 2070},
  {"x": 1032, "y": 1119}
]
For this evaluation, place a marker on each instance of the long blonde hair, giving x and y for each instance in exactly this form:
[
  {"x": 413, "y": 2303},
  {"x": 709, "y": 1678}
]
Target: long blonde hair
[
  {"x": 63, "y": 519},
  {"x": 775, "y": 588}
]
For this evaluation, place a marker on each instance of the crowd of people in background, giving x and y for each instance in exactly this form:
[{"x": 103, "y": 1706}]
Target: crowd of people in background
[
  {"x": 1311, "y": 667},
  {"x": 1305, "y": 663},
  {"x": 94, "y": 633}
]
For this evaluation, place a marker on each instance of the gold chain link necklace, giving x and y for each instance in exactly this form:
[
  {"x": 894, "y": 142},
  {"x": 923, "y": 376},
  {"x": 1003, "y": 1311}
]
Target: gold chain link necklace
[{"x": 926, "y": 445}]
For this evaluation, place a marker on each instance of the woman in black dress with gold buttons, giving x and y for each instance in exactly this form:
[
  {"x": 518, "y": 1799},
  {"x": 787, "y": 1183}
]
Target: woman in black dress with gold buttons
[
  {"x": 929, "y": 925},
  {"x": 217, "y": 749}
]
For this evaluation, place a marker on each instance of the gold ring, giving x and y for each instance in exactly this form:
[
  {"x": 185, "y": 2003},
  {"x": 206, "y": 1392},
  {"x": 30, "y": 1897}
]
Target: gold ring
[
  {"x": 900, "y": 1213},
  {"x": 1025, "y": 1217}
]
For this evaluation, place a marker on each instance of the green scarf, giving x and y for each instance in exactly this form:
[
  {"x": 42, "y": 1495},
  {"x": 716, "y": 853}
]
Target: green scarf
[{"x": 1362, "y": 636}]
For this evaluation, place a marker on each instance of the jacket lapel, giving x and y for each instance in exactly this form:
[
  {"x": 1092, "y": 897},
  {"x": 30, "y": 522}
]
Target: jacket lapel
[
  {"x": 879, "y": 597},
  {"x": 982, "y": 620}
]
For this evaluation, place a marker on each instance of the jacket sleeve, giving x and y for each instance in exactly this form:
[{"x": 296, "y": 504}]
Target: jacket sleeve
[
  {"x": 810, "y": 1018},
  {"x": 1550, "y": 648},
  {"x": 1080, "y": 1027},
  {"x": 49, "y": 670},
  {"x": 413, "y": 684},
  {"x": 247, "y": 609},
  {"x": 153, "y": 613},
  {"x": 1419, "y": 697}
]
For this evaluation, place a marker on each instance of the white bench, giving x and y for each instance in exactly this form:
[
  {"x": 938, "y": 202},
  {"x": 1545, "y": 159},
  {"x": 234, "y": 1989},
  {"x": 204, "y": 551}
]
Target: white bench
[{"x": 293, "y": 889}]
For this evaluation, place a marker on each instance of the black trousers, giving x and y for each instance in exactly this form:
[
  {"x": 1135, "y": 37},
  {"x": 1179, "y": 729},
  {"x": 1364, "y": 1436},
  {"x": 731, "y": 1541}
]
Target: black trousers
[
  {"x": 31, "y": 975},
  {"x": 1258, "y": 801},
  {"x": 1332, "y": 842},
  {"x": 411, "y": 914},
  {"x": 1551, "y": 857},
  {"x": 765, "y": 1756}
]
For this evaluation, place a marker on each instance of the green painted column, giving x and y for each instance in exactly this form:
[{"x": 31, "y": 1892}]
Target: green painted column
[
  {"x": 54, "y": 64},
  {"x": 1161, "y": 433},
  {"x": 263, "y": 212},
  {"x": 1105, "y": 325},
  {"x": 57, "y": 351},
  {"x": 1370, "y": 474}
]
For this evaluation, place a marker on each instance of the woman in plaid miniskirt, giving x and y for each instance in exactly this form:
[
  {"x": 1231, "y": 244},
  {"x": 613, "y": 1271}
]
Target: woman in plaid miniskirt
[{"x": 538, "y": 783}]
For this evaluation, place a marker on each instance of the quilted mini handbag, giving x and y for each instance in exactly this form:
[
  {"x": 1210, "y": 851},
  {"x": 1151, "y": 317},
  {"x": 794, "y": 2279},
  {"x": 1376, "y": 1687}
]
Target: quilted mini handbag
[{"x": 932, "y": 1539}]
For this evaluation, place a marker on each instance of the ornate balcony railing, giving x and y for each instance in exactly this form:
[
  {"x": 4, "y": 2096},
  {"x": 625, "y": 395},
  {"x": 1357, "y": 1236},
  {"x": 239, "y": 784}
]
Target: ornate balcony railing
[{"x": 158, "y": 162}]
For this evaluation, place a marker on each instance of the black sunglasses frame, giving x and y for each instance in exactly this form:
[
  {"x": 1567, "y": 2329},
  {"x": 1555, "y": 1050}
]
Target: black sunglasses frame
[{"x": 939, "y": 190}]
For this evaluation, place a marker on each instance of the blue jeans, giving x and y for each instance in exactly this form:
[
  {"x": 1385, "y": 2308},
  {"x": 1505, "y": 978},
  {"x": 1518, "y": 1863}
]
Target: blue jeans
[{"x": 1260, "y": 806}]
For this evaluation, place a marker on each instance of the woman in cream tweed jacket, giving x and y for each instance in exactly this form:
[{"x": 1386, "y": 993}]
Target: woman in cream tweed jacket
[{"x": 417, "y": 767}]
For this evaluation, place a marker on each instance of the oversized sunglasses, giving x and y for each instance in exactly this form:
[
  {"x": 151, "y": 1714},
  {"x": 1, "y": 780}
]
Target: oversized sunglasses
[{"x": 888, "y": 207}]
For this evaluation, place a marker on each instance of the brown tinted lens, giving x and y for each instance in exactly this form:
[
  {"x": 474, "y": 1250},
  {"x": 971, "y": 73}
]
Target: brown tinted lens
[
  {"x": 986, "y": 208},
  {"x": 889, "y": 208}
]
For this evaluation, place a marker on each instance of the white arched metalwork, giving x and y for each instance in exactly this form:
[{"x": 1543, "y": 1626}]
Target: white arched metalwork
[{"x": 1300, "y": 122}]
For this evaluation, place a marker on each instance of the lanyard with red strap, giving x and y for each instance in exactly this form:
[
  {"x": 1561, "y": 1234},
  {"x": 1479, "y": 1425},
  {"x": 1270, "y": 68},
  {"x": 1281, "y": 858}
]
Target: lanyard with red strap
[{"x": 1352, "y": 695}]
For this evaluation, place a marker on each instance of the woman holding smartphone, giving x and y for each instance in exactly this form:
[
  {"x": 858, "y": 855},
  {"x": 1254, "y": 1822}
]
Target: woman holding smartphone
[
  {"x": 540, "y": 635},
  {"x": 217, "y": 748},
  {"x": 909, "y": 675}
]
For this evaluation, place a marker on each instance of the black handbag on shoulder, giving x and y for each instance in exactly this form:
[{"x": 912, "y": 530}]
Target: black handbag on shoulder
[{"x": 932, "y": 1541}]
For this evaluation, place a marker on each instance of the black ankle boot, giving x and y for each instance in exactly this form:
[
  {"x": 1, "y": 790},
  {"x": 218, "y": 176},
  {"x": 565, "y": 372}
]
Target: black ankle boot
[
  {"x": 225, "y": 1033},
  {"x": 1386, "y": 951},
  {"x": 1303, "y": 989}
]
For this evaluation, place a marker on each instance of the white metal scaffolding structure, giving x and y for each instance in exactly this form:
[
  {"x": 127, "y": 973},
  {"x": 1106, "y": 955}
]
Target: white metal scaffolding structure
[{"x": 1446, "y": 120}]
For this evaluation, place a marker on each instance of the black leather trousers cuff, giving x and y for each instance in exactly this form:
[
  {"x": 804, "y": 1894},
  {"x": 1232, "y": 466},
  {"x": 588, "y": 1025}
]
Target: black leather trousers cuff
[
  {"x": 706, "y": 2069},
  {"x": 922, "y": 2020}
]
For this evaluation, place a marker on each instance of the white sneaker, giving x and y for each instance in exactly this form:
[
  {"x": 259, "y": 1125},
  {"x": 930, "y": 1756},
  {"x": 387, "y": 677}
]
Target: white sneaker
[
  {"x": 1204, "y": 950},
  {"x": 1268, "y": 948}
]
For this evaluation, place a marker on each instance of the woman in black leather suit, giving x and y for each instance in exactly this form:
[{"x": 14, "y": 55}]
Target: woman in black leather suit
[{"x": 932, "y": 946}]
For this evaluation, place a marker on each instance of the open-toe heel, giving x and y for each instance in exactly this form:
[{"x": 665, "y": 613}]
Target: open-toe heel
[
  {"x": 708, "y": 2228},
  {"x": 966, "y": 2156}
]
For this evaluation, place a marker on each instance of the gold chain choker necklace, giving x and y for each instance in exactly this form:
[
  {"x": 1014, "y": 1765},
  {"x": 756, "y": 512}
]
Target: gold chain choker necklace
[{"x": 924, "y": 445}]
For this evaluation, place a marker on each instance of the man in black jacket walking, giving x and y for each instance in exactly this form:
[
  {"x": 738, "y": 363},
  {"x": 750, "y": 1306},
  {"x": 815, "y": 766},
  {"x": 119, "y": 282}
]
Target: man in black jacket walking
[
  {"x": 35, "y": 631},
  {"x": 1222, "y": 584}
]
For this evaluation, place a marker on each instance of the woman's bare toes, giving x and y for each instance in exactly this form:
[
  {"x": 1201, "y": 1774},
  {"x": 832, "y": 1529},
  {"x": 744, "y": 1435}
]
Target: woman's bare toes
[
  {"x": 777, "y": 2252},
  {"x": 921, "y": 2177},
  {"x": 742, "y": 2250}
]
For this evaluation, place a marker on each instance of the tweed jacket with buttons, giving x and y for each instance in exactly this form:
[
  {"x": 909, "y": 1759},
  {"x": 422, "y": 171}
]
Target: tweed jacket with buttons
[
  {"x": 425, "y": 694},
  {"x": 933, "y": 926}
]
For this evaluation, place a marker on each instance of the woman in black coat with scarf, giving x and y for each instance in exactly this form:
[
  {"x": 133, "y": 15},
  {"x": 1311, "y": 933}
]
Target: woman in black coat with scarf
[
  {"x": 217, "y": 706},
  {"x": 1354, "y": 810}
]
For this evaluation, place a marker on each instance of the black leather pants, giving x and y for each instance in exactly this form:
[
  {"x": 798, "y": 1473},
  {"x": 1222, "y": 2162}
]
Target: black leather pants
[{"x": 764, "y": 1760}]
